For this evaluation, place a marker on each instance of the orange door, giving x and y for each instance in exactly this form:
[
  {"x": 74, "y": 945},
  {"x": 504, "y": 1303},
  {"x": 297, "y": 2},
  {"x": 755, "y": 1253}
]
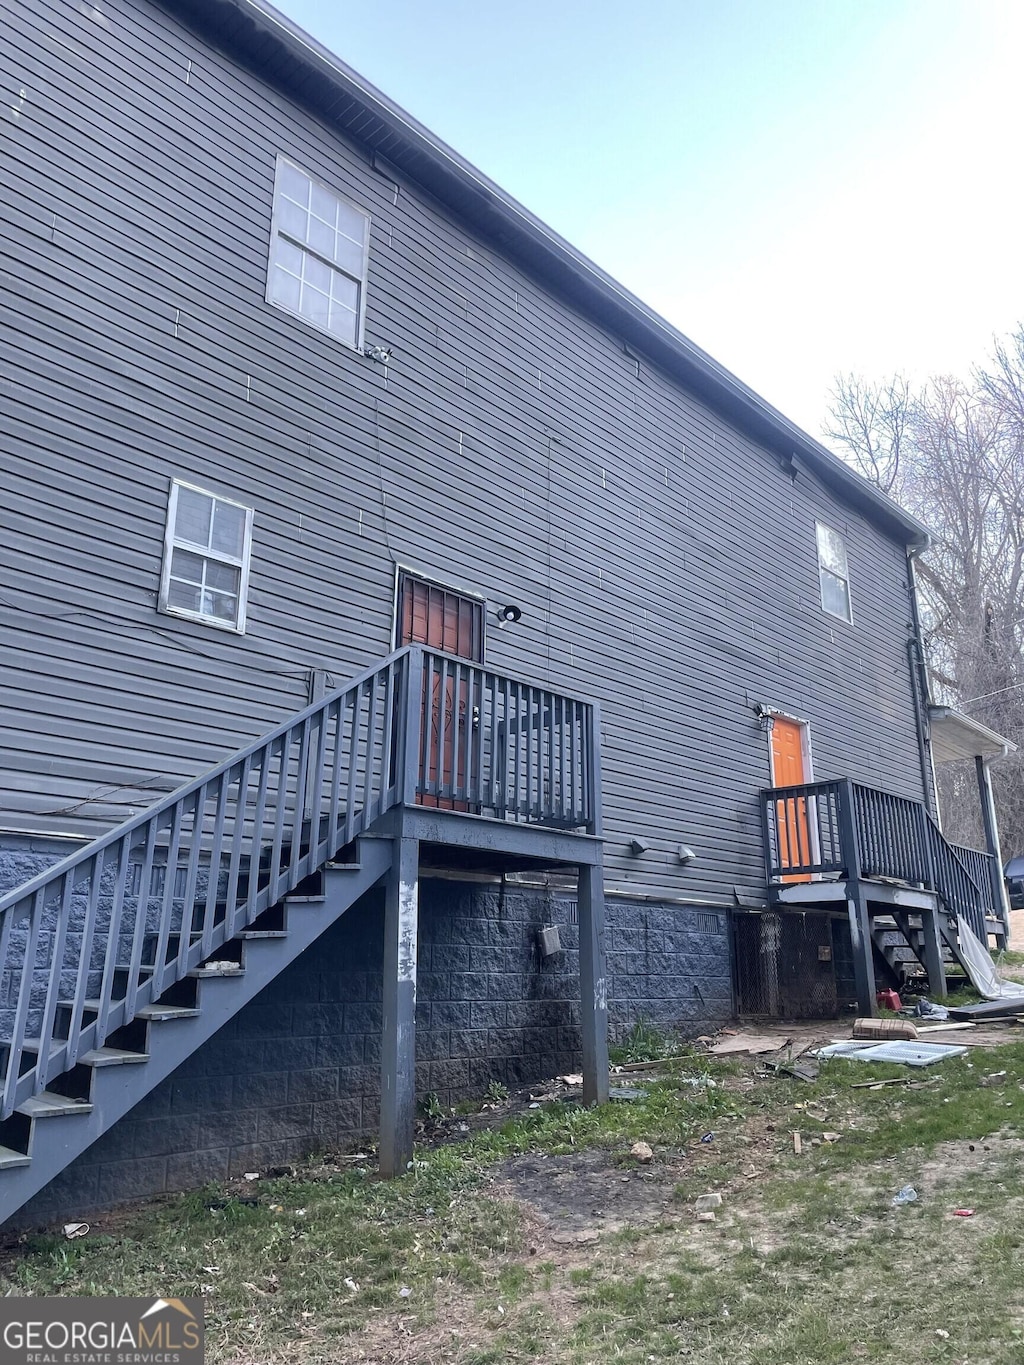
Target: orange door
[
  {"x": 789, "y": 769},
  {"x": 432, "y": 616}
]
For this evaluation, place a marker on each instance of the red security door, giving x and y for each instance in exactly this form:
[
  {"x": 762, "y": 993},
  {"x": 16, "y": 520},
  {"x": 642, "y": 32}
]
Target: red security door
[{"x": 447, "y": 621}]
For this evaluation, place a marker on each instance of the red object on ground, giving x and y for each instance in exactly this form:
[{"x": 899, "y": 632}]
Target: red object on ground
[
  {"x": 963, "y": 1213},
  {"x": 889, "y": 1000}
]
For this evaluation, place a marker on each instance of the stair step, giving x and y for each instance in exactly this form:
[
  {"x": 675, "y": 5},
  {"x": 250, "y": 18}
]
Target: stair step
[
  {"x": 263, "y": 933},
  {"x": 111, "y": 1056},
  {"x": 212, "y": 970},
  {"x": 48, "y": 1105},
  {"x": 161, "y": 1013},
  {"x": 10, "y": 1158},
  {"x": 304, "y": 900}
]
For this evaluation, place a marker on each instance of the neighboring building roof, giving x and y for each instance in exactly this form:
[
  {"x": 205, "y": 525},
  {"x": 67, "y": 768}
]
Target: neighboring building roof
[
  {"x": 273, "y": 45},
  {"x": 956, "y": 736}
]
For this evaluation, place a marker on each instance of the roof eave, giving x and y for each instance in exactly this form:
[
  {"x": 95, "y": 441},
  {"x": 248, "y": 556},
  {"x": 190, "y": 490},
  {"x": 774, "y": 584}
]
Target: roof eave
[{"x": 413, "y": 149}]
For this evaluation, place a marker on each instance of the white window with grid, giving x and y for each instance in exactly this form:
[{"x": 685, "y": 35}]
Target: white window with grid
[
  {"x": 318, "y": 254},
  {"x": 833, "y": 573},
  {"x": 207, "y": 548}
]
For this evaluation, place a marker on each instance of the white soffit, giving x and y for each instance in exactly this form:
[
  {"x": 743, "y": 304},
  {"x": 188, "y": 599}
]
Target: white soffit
[{"x": 956, "y": 736}]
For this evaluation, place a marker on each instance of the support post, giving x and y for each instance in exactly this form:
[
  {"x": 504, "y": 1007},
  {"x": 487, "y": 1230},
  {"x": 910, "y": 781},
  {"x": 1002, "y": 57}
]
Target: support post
[
  {"x": 860, "y": 938},
  {"x": 1001, "y": 900},
  {"x": 593, "y": 984},
  {"x": 933, "y": 963},
  {"x": 856, "y": 903},
  {"x": 398, "y": 1050}
]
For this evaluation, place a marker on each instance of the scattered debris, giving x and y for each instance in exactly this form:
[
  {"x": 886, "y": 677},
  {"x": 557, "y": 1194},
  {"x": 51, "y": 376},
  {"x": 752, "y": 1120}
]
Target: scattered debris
[
  {"x": 906, "y": 1196},
  {"x": 798, "y": 1146},
  {"x": 73, "y": 1230},
  {"x": 641, "y": 1152},
  {"x": 911, "y": 1054},
  {"x": 351, "y": 1284},
  {"x": 945, "y": 1028},
  {"x": 628, "y": 1093},
  {"x": 707, "y": 1137},
  {"x": 803, "y": 1070},
  {"x": 405, "y": 1292},
  {"x": 574, "y": 1078},
  {"x": 989, "y": 1009},
  {"x": 831, "y": 1137},
  {"x": 582, "y": 1238},
  {"x": 942, "y": 1334},
  {"x": 927, "y": 1009},
  {"x": 251, "y": 1175},
  {"x": 963, "y": 1213},
  {"x": 708, "y": 1201},
  {"x": 706, "y": 1217},
  {"x": 745, "y": 1042},
  {"x": 884, "y": 1029}
]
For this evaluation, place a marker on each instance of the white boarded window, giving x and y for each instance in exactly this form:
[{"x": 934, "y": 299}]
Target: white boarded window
[
  {"x": 833, "y": 573},
  {"x": 206, "y": 557},
  {"x": 318, "y": 252}
]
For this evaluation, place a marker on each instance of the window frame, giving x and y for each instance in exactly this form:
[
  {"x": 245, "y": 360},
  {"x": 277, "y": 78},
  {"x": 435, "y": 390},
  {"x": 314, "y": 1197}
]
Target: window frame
[
  {"x": 173, "y": 542},
  {"x": 276, "y": 232},
  {"x": 823, "y": 569}
]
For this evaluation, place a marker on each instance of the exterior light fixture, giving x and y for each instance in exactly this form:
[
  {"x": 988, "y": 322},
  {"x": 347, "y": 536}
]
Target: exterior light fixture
[
  {"x": 509, "y": 614},
  {"x": 765, "y": 719}
]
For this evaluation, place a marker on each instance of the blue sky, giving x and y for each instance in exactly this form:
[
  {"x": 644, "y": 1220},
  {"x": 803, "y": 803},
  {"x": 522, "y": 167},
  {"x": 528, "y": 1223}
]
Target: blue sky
[{"x": 801, "y": 186}]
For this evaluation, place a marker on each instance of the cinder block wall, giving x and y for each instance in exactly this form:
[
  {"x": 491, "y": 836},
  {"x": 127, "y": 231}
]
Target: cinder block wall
[{"x": 297, "y": 1070}]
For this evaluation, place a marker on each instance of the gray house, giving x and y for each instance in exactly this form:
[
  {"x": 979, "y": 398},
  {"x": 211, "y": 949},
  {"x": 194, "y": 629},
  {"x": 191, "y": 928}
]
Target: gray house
[{"x": 417, "y": 654}]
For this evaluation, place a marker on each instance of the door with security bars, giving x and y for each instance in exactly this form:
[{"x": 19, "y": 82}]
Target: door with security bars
[{"x": 435, "y": 616}]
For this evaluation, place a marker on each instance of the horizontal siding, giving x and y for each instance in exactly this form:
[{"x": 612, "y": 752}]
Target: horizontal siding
[{"x": 665, "y": 563}]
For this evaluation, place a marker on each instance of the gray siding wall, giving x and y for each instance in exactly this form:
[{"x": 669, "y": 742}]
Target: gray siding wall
[{"x": 664, "y": 562}]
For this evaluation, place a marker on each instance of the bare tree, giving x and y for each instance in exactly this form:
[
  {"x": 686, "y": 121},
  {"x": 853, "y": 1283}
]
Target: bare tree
[{"x": 953, "y": 455}]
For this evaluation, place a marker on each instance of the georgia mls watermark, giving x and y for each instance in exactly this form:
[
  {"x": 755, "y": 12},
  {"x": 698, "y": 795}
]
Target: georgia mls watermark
[{"x": 101, "y": 1331}]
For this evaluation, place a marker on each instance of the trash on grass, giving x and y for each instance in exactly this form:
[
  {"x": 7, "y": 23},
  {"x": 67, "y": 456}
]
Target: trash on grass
[
  {"x": 927, "y": 1009},
  {"x": 706, "y": 1217},
  {"x": 707, "y": 1137},
  {"x": 906, "y": 1196},
  {"x": 883, "y": 1029},
  {"x": 708, "y": 1201},
  {"x": 628, "y": 1093},
  {"x": 73, "y": 1230},
  {"x": 746, "y": 1042},
  {"x": 963, "y": 1213},
  {"x": 351, "y": 1284},
  {"x": 912, "y": 1054}
]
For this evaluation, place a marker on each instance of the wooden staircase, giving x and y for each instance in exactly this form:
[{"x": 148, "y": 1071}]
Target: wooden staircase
[
  {"x": 906, "y": 888},
  {"x": 122, "y": 960}
]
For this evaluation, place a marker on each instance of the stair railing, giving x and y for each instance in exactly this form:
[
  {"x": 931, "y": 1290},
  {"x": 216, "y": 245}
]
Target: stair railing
[
  {"x": 91, "y": 941},
  {"x": 807, "y": 832},
  {"x": 497, "y": 745},
  {"x": 87, "y": 943}
]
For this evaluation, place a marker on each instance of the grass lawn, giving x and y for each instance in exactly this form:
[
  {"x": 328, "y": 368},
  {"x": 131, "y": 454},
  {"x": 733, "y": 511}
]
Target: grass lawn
[{"x": 539, "y": 1238}]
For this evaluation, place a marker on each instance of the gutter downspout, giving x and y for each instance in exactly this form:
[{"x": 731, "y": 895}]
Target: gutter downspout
[
  {"x": 921, "y": 690},
  {"x": 991, "y": 823}
]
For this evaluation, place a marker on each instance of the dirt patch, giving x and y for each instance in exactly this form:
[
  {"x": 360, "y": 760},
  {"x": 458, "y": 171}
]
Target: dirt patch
[{"x": 587, "y": 1192}]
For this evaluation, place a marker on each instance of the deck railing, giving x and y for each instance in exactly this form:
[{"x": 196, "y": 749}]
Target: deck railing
[
  {"x": 85, "y": 945},
  {"x": 843, "y": 829},
  {"x": 503, "y": 747}
]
